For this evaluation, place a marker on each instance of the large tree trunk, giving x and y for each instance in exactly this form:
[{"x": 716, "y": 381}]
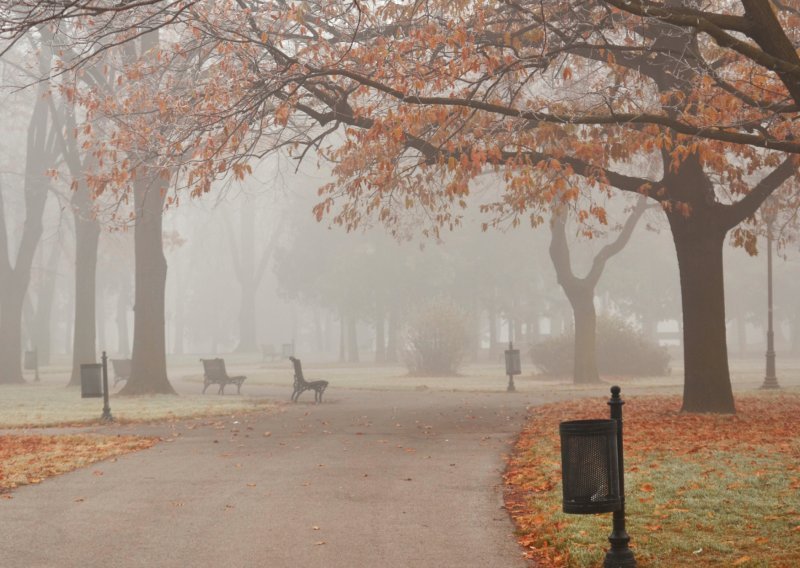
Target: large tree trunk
[
  {"x": 741, "y": 333},
  {"x": 42, "y": 322},
  {"x": 179, "y": 332},
  {"x": 87, "y": 237},
  {"x": 319, "y": 331},
  {"x": 707, "y": 384},
  {"x": 493, "y": 341},
  {"x": 14, "y": 279},
  {"x": 352, "y": 339},
  {"x": 246, "y": 272},
  {"x": 342, "y": 337},
  {"x": 123, "y": 304},
  {"x": 11, "y": 302},
  {"x": 391, "y": 339},
  {"x": 149, "y": 357},
  {"x": 380, "y": 333},
  {"x": 581, "y": 298},
  {"x": 247, "y": 318}
]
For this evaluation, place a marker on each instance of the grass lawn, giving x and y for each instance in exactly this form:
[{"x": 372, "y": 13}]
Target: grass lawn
[
  {"x": 701, "y": 490},
  {"x": 27, "y": 458},
  {"x": 45, "y": 405}
]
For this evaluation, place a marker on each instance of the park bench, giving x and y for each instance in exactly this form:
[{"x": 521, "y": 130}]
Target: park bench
[
  {"x": 214, "y": 373},
  {"x": 301, "y": 384},
  {"x": 122, "y": 370},
  {"x": 269, "y": 351}
]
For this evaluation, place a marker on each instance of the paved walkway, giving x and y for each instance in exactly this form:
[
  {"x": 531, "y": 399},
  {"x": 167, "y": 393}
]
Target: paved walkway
[{"x": 368, "y": 479}]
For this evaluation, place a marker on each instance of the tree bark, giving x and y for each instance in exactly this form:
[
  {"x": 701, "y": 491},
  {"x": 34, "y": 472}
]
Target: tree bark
[
  {"x": 352, "y": 339},
  {"x": 244, "y": 261},
  {"x": 380, "y": 333},
  {"x": 101, "y": 318},
  {"x": 342, "y": 337},
  {"x": 14, "y": 279},
  {"x": 123, "y": 304},
  {"x": 699, "y": 243},
  {"x": 87, "y": 238},
  {"x": 179, "y": 331},
  {"x": 11, "y": 334},
  {"x": 248, "y": 274},
  {"x": 149, "y": 357},
  {"x": 391, "y": 339},
  {"x": 319, "y": 330},
  {"x": 585, "y": 371},
  {"x": 42, "y": 322},
  {"x": 247, "y": 319},
  {"x": 741, "y": 333},
  {"x": 491, "y": 316}
]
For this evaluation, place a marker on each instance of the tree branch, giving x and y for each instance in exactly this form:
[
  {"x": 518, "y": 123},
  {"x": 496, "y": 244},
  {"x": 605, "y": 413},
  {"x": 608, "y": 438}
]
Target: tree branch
[{"x": 749, "y": 204}]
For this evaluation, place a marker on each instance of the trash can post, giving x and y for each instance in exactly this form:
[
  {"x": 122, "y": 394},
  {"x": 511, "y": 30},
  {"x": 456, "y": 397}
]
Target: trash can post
[
  {"x": 513, "y": 366},
  {"x": 619, "y": 555},
  {"x": 106, "y": 417}
]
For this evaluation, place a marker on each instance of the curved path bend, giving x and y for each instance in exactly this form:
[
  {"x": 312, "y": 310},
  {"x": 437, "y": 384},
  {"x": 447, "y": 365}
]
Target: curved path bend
[{"x": 367, "y": 479}]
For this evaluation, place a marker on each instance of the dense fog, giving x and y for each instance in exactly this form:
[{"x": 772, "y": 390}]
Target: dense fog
[{"x": 250, "y": 268}]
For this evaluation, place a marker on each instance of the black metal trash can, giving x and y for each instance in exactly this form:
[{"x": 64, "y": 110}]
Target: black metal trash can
[
  {"x": 91, "y": 380},
  {"x": 589, "y": 466},
  {"x": 513, "y": 366},
  {"x": 31, "y": 362}
]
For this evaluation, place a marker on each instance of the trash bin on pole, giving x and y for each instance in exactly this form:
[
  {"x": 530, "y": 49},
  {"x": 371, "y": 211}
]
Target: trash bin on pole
[{"x": 91, "y": 380}]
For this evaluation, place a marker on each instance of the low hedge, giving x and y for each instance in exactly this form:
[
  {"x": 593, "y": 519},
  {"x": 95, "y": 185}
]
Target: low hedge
[{"x": 621, "y": 350}]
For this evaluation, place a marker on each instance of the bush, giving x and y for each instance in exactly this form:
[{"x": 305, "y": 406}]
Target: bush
[
  {"x": 436, "y": 339},
  {"x": 621, "y": 350}
]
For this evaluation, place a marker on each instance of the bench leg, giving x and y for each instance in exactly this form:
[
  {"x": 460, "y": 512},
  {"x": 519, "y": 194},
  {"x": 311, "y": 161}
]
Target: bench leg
[
  {"x": 221, "y": 388},
  {"x": 205, "y": 386}
]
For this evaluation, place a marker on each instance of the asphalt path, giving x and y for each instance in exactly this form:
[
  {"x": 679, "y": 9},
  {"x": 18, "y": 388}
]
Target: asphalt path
[{"x": 366, "y": 479}]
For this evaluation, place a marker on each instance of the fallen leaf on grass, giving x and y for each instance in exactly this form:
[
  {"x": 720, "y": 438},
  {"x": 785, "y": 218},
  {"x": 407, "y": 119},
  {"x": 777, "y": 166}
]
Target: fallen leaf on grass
[
  {"x": 30, "y": 459},
  {"x": 655, "y": 429}
]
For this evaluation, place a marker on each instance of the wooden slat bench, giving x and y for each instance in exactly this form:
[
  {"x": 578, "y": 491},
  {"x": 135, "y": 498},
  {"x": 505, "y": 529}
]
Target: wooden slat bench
[
  {"x": 214, "y": 373},
  {"x": 269, "y": 350}
]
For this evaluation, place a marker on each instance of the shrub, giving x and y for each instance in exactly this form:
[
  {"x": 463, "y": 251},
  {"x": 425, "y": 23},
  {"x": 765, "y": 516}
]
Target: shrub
[
  {"x": 621, "y": 350},
  {"x": 436, "y": 339}
]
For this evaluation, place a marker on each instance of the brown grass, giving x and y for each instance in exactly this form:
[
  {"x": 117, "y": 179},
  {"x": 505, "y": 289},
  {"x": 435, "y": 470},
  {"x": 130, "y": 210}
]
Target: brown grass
[{"x": 30, "y": 459}]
